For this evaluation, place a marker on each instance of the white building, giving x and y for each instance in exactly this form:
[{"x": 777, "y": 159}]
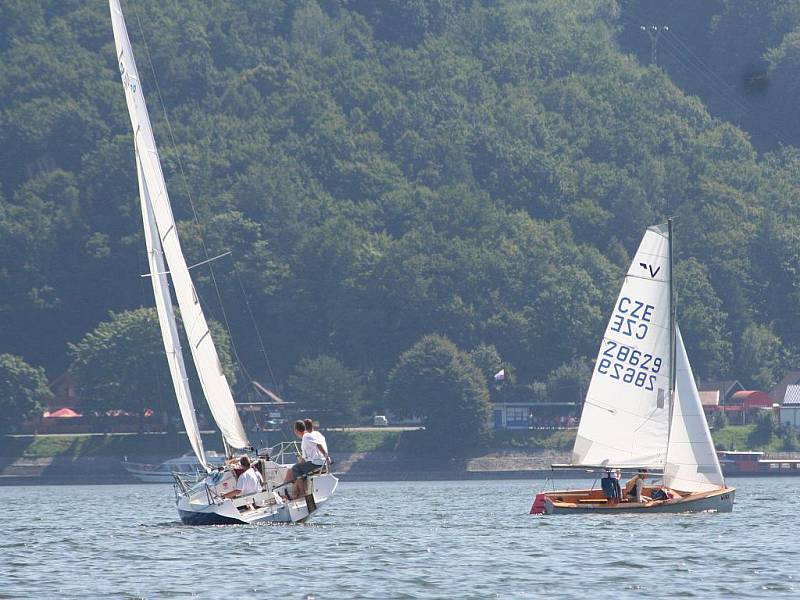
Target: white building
[{"x": 790, "y": 407}]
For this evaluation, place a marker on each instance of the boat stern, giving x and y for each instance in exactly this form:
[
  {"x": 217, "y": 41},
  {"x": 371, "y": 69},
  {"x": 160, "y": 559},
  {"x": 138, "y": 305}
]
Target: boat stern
[{"x": 538, "y": 506}]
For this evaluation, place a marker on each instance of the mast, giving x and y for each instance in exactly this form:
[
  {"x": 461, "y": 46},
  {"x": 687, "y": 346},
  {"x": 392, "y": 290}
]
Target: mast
[
  {"x": 201, "y": 345},
  {"x": 671, "y": 331}
]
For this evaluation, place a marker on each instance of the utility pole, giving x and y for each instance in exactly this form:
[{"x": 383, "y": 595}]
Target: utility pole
[{"x": 653, "y": 32}]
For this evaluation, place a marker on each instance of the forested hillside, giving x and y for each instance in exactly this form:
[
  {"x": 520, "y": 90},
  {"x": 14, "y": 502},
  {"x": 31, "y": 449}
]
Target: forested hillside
[{"x": 381, "y": 171}]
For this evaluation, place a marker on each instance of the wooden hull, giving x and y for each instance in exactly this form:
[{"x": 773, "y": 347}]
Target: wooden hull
[{"x": 590, "y": 501}]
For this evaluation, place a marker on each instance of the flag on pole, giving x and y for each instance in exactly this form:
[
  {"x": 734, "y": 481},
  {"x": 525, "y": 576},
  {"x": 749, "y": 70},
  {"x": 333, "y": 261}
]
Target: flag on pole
[{"x": 500, "y": 375}]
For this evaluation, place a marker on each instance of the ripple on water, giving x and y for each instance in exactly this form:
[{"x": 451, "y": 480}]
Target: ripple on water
[{"x": 395, "y": 540}]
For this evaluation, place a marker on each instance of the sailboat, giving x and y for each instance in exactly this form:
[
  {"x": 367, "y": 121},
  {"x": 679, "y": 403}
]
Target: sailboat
[
  {"x": 642, "y": 412},
  {"x": 199, "y": 502}
]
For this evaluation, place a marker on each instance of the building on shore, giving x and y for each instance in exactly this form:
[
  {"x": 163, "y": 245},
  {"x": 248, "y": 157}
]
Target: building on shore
[{"x": 790, "y": 407}]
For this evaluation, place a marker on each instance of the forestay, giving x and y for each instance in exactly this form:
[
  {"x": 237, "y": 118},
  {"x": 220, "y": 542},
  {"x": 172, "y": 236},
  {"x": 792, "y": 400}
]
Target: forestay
[
  {"x": 625, "y": 419},
  {"x": 215, "y": 386},
  {"x": 692, "y": 464}
]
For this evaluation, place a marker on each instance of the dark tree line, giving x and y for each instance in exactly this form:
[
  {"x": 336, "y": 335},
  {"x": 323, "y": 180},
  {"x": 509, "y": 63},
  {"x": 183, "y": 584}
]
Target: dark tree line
[{"x": 385, "y": 171}]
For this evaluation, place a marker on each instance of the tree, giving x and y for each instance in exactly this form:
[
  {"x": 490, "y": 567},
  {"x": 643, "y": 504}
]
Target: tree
[
  {"x": 570, "y": 381},
  {"x": 120, "y": 365},
  {"x": 440, "y": 383},
  {"x": 789, "y": 438},
  {"x": 761, "y": 357},
  {"x": 766, "y": 427},
  {"x": 323, "y": 383},
  {"x": 702, "y": 321},
  {"x": 23, "y": 389}
]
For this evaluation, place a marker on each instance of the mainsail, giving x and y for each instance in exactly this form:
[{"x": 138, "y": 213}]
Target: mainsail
[
  {"x": 692, "y": 464},
  {"x": 212, "y": 379},
  {"x": 626, "y": 414}
]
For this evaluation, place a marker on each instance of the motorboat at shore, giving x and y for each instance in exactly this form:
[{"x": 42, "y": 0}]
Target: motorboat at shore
[
  {"x": 203, "y": 500},
  {"x": 642, "y": 411}
]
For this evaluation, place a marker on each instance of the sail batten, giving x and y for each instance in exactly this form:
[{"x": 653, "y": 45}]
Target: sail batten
[{"x": 215, "y": 387}]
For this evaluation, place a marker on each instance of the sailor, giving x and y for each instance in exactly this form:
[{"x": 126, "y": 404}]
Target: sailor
[
  {"x": 615, "y": 475},
  {"x": 607, "y": 485},
  {"x": 248, "y": 483},
  {"x": 312, "y": 458},
  {"x": 317, "y": 437},
  {"x": 634, "y": 487}
]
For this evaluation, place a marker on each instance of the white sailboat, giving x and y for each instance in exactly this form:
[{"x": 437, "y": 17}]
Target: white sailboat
[
  {"x": 197, "y": 502},
  {"x": 642, "y": 411}
]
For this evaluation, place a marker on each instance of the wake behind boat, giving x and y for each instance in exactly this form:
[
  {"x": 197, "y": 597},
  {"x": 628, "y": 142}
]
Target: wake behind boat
[
  {"x": 206, "y": 501},
  {"x": 642, "y": 411}
]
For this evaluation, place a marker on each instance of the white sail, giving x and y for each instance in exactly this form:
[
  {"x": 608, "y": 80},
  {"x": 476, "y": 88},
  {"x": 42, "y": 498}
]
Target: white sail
[
  {"x": 166, "y": 319},
  {"x": 692, "y": 464},
  {"x": 212, "y": 379},
  {"x": 625, "y": 419}
]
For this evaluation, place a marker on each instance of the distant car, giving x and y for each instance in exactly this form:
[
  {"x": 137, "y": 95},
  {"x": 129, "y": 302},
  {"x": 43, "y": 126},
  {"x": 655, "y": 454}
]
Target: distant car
[{"x": 380, "y": 421}]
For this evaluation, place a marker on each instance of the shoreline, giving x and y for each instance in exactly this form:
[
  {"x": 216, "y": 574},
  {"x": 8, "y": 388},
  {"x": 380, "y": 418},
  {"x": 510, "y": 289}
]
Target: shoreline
[{"x": 357, "y": 467}]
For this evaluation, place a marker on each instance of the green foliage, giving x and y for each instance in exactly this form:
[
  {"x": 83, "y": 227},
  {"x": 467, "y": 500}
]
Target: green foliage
[
  {"x": 120, "y": 365},
  {"x": 765, "y": 430},
  {"x": 719, "y": 420},
  {"x": 789, "y": 438},
  {"x": 382, "y": 170},
  {"x": 23, "y": 390},
  {"x": 323, "y": 384},
  {"x": 762, "y": 357},
  {"x": 561, "y": 440},
  {"x": 440, "y": 383},
  {"x": 569, "y": 382},
  {"x": 733, "y": 437}
]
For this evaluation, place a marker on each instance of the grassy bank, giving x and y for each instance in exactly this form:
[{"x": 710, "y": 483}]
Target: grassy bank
[
  {"x": 167, "y": 444},
  {"x": 734, "y": 437}
]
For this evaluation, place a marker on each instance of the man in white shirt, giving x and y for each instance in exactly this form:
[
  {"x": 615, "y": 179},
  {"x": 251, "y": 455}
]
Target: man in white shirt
[
  {"x": 312, "y": 456},
  {"x": 317, "y": 437},
  {"x": 248, "y": 483}
]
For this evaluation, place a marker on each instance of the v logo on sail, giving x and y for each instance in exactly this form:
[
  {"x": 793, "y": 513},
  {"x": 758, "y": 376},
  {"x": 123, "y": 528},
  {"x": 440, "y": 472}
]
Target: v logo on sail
[{"x": 650, "y": 270}]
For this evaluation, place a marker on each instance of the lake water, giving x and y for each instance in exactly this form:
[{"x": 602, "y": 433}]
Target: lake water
[{"x": 465, "y": 539}]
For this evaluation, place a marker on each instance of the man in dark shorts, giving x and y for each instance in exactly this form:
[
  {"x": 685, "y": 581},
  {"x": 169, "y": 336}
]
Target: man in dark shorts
[{"x": 311, "y": 459}]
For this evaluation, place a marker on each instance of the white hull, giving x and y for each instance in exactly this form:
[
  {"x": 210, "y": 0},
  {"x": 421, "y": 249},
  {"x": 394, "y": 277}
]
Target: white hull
[{"x": 201, "y": 507}]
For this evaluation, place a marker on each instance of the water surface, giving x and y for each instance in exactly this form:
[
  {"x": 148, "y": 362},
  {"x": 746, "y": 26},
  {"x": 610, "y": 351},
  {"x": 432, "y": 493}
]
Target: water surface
[{"x": 461, "y": 539}]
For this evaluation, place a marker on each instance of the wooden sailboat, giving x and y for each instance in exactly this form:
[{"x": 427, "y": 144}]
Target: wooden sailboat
[
  {"x": 201, "y": 502},
  {"x": 642, "y": 411}
]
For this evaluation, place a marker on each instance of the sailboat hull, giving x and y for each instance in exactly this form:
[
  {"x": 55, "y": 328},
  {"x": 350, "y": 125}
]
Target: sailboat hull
[
  {"x": 195, "y": 509},
  {"x": 588, "y": 501}
]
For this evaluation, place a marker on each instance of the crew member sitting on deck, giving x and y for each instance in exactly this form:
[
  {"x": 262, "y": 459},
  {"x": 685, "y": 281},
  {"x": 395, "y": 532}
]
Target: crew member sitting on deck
[
  {"x": 313, "y": 456},
  {"x": 634, "y": 487},
  {"x": 610, "y": 491},
  {"x": 248, "y": 483},
  {"x": 318, "y": 438}
]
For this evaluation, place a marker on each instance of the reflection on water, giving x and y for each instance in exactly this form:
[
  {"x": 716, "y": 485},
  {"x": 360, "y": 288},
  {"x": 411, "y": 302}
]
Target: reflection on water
[{"x": 396, "y": 540}]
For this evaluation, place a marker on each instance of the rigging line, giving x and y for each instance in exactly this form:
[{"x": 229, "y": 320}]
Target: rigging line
[
  {"x": 685, "y": 60},
  {"x": 699, "y": 65},
  {"x": 703, "y": 65},
  {"x": 732, "y": 96},
  {"x": 713, "y": 81},
  {"x": 233, "y": 346},
  {"x": 186, "y": 183},
  {"x": 253, "y": 319}
]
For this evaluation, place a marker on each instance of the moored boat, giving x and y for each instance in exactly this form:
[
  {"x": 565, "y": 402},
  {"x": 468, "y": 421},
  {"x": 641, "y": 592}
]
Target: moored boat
[
  {"x": 642, "y": 411},
  {"x": 187, "y": 465}
]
